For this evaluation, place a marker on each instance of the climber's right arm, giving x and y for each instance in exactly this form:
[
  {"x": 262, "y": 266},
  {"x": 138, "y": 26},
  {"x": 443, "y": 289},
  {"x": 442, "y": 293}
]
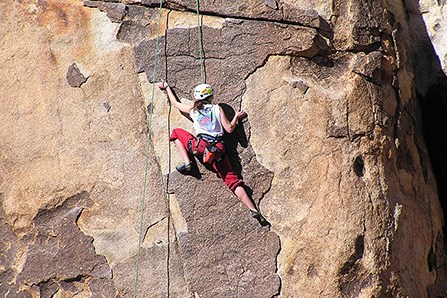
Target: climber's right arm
[{"x": 184, "y": 108}]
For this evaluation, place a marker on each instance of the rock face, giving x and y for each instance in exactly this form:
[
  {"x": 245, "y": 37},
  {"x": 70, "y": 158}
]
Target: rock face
[
  {"x": 434, "y": 18},
  {"x": 333, "y": 149}
]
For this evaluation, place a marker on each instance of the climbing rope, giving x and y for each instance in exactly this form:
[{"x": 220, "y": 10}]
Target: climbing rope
[
  {"x": 199, "y": 38},
  {"x": 154, "y": 77}
]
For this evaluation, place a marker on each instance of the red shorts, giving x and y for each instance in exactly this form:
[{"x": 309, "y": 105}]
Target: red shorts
[{"x": 223, "y": 167}]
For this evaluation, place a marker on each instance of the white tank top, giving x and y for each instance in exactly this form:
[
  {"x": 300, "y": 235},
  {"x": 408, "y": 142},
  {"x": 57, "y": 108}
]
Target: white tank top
[{"x": 207, "y": 120}]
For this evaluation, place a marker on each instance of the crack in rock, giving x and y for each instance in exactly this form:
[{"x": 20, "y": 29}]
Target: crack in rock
[{"x": 271, "y": 11}]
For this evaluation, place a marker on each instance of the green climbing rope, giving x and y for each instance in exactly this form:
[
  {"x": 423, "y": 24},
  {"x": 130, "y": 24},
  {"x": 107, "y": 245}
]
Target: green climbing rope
[
  {"x": 154, "y": 77},
  {"x": 199, "y": 38}
]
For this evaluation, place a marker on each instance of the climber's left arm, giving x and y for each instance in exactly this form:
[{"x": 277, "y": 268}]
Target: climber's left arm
[{"x": 228, "y": 125}]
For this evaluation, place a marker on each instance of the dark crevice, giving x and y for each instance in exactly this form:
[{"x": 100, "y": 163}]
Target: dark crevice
[
  {"x": 434, "y": 119},
  {"x": 337, "y": 136},
  {"x": 78, "y": 278},
  {"x": 48, "y": 281},
  {"x": 48, "y": 288},
  {"x": 359, "y": 248},
  {"x": 431, "y": 88},
  {"x": 431, "y": 260},
  {"x": 364, "y": 49},
  {"x": 261, "y": 20},
  {"x": 260, "y": 65},
  {"x": 353, "y": 276},
  {"x": 277, "y": 294},
  {"x": 359, "y": 166}
]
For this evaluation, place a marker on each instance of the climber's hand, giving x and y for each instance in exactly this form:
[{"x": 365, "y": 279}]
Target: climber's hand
[
  {"x": 241, "y": 115},
  {"x": 162, "y": 85}
]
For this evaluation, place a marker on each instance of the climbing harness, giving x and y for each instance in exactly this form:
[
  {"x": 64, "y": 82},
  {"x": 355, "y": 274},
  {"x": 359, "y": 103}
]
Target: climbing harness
[
  {"x": 154, "y": 77},
  {"x": 213, "y": 150}
]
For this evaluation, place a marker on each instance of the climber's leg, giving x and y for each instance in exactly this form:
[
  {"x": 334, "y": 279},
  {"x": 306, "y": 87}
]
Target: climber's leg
[
  {"x": 182, "y": 150},
  {"x": 181, "y": 138},
  {"x": 243, "y": 196},
  {"x": 226, "y": 171}
]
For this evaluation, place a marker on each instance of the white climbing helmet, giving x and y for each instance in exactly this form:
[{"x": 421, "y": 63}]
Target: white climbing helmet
[{"x": 202, "y": 91}]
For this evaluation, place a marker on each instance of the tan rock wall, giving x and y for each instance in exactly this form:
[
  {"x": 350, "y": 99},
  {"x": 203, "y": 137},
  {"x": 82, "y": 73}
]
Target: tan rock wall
[
  {"x": 326, "y": 185},
  {"x": 58, "y": 141}
]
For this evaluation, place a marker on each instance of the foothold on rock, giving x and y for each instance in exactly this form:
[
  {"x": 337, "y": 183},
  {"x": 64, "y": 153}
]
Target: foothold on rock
[{"x": 74, "y": 76}]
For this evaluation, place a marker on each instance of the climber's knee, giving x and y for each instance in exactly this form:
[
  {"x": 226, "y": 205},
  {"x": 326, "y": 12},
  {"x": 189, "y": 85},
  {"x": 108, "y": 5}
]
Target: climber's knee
[{"x": 182, "y": 135}]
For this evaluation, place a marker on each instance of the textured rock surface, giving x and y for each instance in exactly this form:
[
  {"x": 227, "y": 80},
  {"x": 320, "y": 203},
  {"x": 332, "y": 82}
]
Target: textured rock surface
[
  {"x": 434, "y": 16},
  {"x": 332, "y": 149},
  {"x": 224, "y": 252}
]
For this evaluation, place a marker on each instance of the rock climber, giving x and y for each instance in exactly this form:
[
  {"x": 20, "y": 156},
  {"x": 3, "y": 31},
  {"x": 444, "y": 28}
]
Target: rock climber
[{"x": 210, "y": 122}]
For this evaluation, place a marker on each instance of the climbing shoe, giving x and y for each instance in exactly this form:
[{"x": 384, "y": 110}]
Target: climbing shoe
[
  {"x": 256, "y": 214},
  {"x": 183, "y": 167}
]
